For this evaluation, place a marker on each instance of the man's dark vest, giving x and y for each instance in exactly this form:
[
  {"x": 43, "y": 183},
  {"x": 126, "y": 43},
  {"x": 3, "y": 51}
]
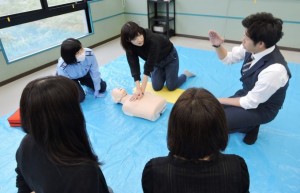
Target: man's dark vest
[{"x": 249, "y": 78}]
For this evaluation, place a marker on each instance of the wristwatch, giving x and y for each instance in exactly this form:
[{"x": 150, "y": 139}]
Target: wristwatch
[{"x": 216, "y": 46}]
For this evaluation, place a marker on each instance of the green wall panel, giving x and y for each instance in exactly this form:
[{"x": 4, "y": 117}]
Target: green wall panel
[
  {"x": 196, "y": 17},
  {"x": 105, "y": 8},
  {"x": 141, "y": 20},
  {"x": 135, "y": 6}
]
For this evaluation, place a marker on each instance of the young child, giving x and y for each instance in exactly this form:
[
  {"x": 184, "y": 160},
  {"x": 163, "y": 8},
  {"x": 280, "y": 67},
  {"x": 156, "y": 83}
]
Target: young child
[{"x": 80, "y": 65}]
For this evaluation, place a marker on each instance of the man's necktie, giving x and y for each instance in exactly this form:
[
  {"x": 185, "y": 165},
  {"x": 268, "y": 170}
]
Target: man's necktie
[{"x": 247, "y": 65}]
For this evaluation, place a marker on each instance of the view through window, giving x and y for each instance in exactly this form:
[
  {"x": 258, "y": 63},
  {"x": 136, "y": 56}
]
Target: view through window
[
  {"x": 59, "y": 2},
  {"x": 9, "y": 7},
  {"x": 29, "y": 38}
]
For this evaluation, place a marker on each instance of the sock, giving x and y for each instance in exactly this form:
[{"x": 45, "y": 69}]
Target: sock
[{"x": 188, "y": 74}]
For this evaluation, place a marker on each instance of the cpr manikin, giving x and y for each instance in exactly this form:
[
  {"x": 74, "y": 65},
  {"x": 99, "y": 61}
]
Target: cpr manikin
[{"x": 149, "y": 107}]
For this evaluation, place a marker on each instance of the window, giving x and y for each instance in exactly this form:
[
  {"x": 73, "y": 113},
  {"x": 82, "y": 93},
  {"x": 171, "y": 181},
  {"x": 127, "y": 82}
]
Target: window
[
  {"x": 10, "y": 7},
  {"x": 59, "y": 2},
  {"x": 22, "y": 40},
  {"x": 26, "y": 33}
]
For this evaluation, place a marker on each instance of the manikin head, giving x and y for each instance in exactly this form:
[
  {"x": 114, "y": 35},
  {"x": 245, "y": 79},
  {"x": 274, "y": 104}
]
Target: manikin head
[{"x": 117, "y": 94}]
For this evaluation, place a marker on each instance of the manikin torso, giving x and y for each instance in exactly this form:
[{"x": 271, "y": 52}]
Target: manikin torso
[{"x": 149, "y": 107}]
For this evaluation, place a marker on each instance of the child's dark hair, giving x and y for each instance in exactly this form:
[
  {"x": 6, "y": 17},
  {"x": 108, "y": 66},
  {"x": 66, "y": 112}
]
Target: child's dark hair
[{"x": 68, "y": 50}]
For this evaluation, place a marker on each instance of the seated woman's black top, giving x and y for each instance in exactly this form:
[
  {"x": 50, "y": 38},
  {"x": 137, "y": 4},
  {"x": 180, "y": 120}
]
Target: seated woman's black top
[
  {"x": 223, "y": 174},
  {"x": 35, "y": 172}
]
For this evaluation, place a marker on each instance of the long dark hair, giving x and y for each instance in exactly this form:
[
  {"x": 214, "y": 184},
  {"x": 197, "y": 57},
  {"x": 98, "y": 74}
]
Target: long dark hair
[
  {"x": 129, "y": 31},
  {"x": 51, "y": 114},
  {"x": 68, "y": 50},
  {"x": 197, "y": 125}
]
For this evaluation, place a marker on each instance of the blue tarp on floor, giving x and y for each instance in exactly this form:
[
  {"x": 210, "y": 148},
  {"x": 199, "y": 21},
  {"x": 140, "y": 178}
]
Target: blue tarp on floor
[{"x": 124, "y": 144}]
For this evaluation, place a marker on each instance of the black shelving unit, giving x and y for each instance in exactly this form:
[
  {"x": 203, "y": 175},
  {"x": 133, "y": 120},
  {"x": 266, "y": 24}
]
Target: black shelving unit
[{"x": 161, "y": 16}]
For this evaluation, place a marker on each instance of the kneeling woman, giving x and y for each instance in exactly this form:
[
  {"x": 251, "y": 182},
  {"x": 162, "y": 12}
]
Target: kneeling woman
[
  {"x": 80, "y": 65},
  {"x": 161, "y": 59}
]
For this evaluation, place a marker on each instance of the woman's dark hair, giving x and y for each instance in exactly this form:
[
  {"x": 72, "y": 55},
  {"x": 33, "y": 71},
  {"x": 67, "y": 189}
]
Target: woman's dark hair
[
  {"x": 197, "y": 125},
  {"x": 263, "y": 27},
  {"x": 51, "y": 114},
  {"x": 68, "y": 50},
  {"x": 129, "y": 31}
]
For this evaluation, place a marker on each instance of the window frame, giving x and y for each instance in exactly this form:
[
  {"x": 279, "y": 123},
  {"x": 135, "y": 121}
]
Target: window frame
[
  {"x": 40, "y": 14},
  {"x": 45, "y": 12}
]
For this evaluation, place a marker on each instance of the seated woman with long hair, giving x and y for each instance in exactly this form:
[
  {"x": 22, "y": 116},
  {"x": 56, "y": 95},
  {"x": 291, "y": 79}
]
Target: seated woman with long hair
[
  {"x": 55, "y": 155},
  {"x": 197, "y": 133}
]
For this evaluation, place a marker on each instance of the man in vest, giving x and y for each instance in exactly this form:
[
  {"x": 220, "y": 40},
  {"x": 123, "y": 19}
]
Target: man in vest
[{"x": 264, "y": 75}]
